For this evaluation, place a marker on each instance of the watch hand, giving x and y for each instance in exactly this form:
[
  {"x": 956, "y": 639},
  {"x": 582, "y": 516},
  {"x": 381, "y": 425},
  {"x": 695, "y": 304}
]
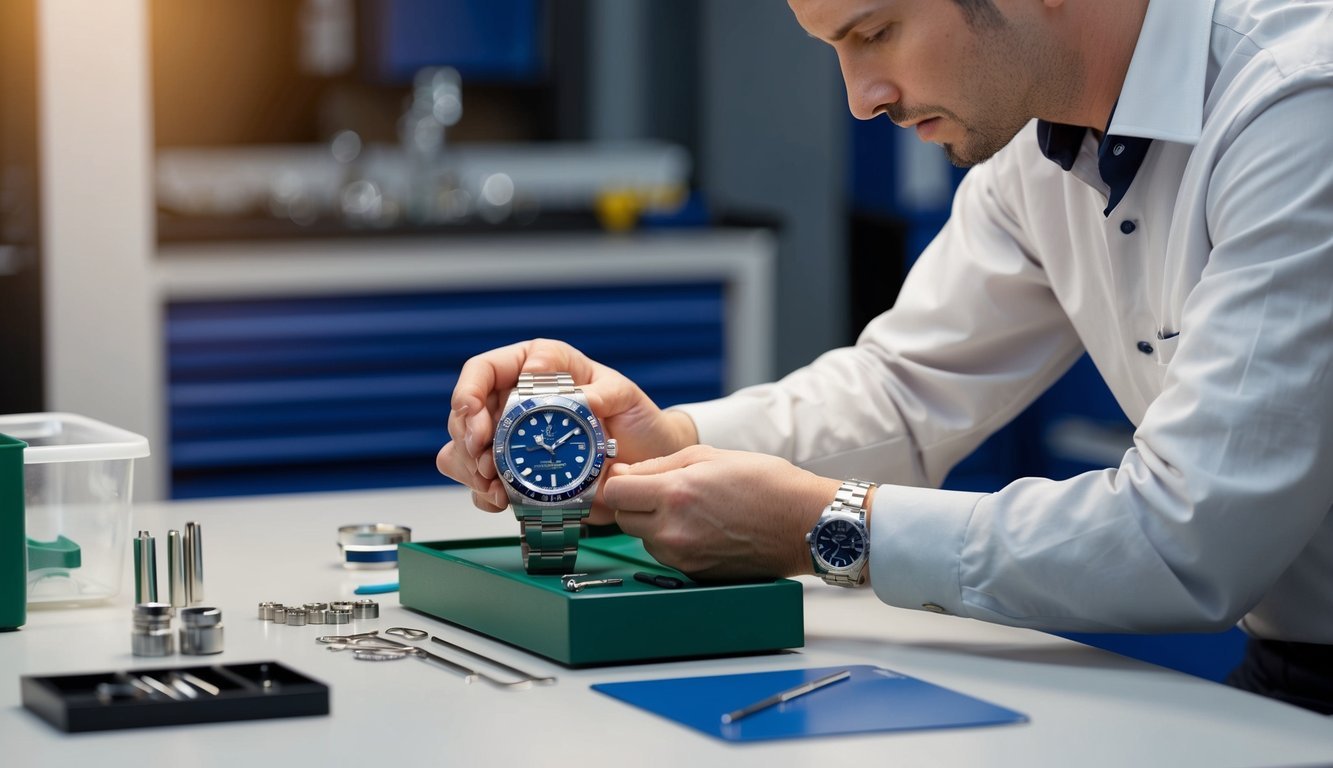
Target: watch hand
[
  {"x": 542, "y": 444},
  {"x": 562, "y": 440}
]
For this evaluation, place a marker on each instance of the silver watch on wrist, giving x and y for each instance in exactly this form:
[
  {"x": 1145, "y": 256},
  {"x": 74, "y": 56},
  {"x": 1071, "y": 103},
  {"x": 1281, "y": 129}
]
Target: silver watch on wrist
[
  {"x": 840, "y": 541},
  {"x": 549, "y": 451}
]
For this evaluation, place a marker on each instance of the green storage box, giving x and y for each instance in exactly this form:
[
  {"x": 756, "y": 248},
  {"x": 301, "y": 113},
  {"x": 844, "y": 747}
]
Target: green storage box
[
  {"x": 480, "y": 584},
  {"x": 13, "y": 538}
]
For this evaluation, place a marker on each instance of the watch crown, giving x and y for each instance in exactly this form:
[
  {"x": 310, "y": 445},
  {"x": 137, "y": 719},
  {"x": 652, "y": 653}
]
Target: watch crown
[{"x": 611, "y": 448}]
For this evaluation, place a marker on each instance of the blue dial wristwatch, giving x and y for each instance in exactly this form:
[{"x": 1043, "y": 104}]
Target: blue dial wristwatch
[
  {"x": 840, "y": 542},
  {"x": 550, "y": 450}
]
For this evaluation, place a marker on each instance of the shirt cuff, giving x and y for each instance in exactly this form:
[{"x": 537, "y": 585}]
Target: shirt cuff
[{"x": 916, "y": 542}]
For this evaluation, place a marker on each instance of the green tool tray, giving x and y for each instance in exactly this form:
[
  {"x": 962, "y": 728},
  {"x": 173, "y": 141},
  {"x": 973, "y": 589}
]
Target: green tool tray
[{"x": 480, "y": 584}]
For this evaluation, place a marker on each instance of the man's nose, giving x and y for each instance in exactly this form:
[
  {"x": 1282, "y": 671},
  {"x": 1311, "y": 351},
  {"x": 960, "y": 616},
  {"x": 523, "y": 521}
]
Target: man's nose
[{"x": 868, "y": 89}]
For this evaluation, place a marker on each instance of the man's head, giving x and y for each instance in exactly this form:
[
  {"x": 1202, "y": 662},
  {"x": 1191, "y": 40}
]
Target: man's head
[{"x": 968, "y": 74}]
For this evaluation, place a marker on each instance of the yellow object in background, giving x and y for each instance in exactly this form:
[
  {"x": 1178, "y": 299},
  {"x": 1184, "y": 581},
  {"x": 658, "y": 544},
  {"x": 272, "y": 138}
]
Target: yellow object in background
[{"x": 618, "y": 210}]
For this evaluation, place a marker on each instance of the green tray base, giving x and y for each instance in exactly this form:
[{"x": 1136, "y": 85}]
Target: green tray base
[{"x": 480, "y": 584}]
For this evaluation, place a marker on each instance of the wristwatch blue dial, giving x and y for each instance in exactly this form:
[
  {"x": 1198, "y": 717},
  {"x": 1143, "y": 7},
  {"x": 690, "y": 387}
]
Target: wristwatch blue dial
[
  {"x": 840, "y": 543},
  {"x": 549, "y": 450}
]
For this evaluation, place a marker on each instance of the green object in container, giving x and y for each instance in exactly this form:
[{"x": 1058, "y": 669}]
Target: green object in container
[
  {"x": 480, "y": 584},
  {"x": 13, "y": 537},
  {"x": 61, "y": 553}
]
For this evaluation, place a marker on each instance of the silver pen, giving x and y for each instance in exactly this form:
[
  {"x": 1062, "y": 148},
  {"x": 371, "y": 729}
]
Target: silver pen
[{"x": 785, "y": 696}]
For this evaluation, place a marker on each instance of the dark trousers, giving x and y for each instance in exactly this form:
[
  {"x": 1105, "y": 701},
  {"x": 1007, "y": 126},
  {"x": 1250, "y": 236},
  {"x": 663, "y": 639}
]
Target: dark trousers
[{"x": 1297, "y": 673}]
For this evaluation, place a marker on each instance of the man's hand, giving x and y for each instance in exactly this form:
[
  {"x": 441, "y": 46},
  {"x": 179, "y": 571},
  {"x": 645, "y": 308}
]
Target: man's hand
[
  {"x": 641, "y": 429},
  {"x": 718, "y": 514}
]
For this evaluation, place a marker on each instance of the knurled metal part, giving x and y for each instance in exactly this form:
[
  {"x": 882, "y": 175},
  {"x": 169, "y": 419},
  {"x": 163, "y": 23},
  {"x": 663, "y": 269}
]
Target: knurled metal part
[
  {"x": 340, "y": 605},
  {"x": 266, "y": 610},
  {"x": 314, "y": 612},
  {"x": 296, "y": 617},
  {"x": 365, "y": 609},
  {"x": 279, "y": 614},
  {"x": 151, "y": 634},
  {"x": 337, "y": 616}
]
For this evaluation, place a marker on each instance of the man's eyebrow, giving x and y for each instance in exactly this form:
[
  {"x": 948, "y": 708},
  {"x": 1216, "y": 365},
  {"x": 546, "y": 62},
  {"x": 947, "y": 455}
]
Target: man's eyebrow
[{"x": 846, "y": 28}]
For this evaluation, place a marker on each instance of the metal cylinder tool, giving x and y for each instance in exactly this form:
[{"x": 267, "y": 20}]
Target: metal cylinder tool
[
  {"x": 201, "y": 630},
  {"x": 151, "y": 634},
  {"x": 145, "y": 568},
  {"x": 175, "y": 570},
  {"x": 194, "y": 564}
]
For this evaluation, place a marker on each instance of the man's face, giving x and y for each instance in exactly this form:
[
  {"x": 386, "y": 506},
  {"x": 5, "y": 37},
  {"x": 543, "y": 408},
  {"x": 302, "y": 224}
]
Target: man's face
[{"x": 969, "y": 88}]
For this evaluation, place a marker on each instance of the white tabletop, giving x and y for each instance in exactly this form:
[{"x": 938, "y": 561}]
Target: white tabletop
[{"x": 1087, "y": 707}]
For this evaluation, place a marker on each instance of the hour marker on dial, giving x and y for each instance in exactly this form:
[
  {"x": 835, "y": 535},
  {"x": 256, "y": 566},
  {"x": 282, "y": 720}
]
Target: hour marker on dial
[
  {"x": 538, "y": 478},
  {"x": 549, "y": 417},
  {"x": 533, "y": 421},
  {"x": 517, "y": 460},
  {"x": 579, "y": 459},
  {"x": 526, "y": 472},
  {"x": 522, "y": 432}
]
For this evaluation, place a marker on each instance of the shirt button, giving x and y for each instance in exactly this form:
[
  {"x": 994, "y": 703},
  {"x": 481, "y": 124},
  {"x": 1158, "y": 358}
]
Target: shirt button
[
  {"x": 1128, "y": 227},
  {"x": 1118, "y": 150},
  {"x": 1145, "y": 347}
]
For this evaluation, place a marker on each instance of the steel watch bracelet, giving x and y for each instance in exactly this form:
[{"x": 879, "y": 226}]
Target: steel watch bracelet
[
  {"x": 850, "y": 498},
  {"x": 534, "y": 384},
  {"x": 549, "y": 537}
]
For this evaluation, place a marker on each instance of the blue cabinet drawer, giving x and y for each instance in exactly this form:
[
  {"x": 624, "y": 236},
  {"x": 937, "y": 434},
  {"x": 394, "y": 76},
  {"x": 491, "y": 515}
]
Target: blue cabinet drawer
[{"x": 340, "y": 392}]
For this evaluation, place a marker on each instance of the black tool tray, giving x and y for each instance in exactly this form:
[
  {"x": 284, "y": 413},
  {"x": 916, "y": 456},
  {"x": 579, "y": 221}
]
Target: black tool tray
[{"x": 103, "y": 701}]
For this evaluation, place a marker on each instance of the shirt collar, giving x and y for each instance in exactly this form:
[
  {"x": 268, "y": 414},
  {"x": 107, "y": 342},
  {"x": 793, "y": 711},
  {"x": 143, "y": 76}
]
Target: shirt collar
[
  {"x": 1174, "y": 38},
  {"x": 1162, "y": 97}
]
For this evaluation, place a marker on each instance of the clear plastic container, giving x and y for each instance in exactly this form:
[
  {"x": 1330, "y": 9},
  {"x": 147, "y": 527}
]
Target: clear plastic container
[{"x": 78, "y": 481}]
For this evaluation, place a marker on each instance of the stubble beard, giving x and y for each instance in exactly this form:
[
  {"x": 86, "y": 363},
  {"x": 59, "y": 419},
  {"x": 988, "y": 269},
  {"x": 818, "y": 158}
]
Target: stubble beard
[{"x": 1008, "y": 55}]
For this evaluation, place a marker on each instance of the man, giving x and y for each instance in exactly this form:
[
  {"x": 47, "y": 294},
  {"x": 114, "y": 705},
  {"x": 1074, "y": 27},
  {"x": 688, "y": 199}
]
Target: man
[{"x": 1153, "y": 185}]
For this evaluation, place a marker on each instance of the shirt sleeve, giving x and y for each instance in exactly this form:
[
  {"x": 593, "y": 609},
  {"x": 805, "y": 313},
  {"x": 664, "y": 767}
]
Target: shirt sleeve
[
  {"x": 1231, "y": 472},
  {"x": 975, "y": 336}
]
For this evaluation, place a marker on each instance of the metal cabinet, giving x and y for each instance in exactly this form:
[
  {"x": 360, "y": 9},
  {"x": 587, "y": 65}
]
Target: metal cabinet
[{"x": 304, "y": 366}]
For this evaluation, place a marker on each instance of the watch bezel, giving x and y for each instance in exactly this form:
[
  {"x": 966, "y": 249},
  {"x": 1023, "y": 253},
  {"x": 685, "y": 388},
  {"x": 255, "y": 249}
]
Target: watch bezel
[
  {"x": 825, "y": 567},
  {"x": 506, "y": 470}
]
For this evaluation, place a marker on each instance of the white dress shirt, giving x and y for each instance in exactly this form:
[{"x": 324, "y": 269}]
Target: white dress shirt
[{"x": 1210, "y": 315}]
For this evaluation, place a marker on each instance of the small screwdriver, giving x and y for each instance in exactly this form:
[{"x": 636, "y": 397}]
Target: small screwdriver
[{"x": 657, "y": 580}]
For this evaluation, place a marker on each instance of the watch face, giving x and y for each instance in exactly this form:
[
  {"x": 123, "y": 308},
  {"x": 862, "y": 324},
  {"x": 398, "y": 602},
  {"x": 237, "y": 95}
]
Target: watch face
[
  {"x": 840, "y": 543},
  {"x": 549, "y": 449}
]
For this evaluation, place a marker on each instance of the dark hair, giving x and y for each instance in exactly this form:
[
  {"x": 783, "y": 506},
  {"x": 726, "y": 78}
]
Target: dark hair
[{"x": 981, "y": 13}]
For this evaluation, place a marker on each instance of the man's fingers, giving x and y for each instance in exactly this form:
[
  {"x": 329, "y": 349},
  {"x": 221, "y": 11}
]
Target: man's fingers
[
  {"x": 678, "y": 460},
  {"x": 453, "y": 462},
  {"x": 633, "y": 493},
  {"x": 485, "y": 503}
]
